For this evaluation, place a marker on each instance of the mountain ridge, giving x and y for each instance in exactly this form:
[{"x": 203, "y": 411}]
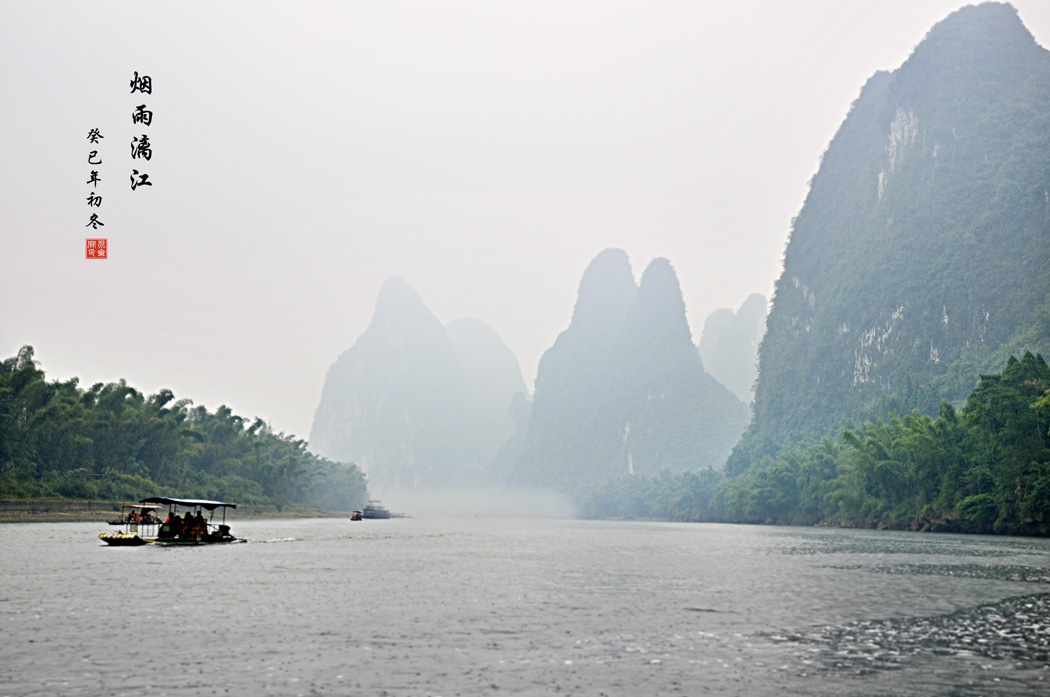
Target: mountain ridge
[
  {"x": 918, "y": 258},
  {"x": 623, "y": 389},
  {"x": 413, "y": 403}
]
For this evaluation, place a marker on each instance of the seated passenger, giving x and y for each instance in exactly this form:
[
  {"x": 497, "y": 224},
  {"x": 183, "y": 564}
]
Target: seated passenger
[
  {"x": 176, "y": 526},
  {"x": 187, "y": 525}
]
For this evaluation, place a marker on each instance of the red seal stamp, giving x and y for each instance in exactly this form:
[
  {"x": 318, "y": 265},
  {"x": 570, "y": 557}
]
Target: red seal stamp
[{"x": 96, "y": 248}]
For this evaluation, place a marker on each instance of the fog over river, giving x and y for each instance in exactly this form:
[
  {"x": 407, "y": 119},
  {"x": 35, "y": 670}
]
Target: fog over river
[{"x": 448, "y": 607}]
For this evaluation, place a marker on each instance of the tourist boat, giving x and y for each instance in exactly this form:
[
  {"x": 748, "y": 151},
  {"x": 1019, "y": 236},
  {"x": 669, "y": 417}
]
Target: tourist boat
[
  {"x": 375, "y": 510},
  {"x": 136, "y": 518},
  {"x": 356, "y": 515},
  {"x": 191, "y": 529}
]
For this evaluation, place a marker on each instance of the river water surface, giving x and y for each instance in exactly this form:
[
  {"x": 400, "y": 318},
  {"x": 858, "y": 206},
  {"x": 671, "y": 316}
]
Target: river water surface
[{"x": 449, "y": 607}]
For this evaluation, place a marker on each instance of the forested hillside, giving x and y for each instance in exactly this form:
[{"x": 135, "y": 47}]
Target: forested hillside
[
  {"x": 888, "y": 391},
  {"x": 112, "y": 442},
  {"x": 984, "y": 469},
  {"x": 919, "y": 259}
]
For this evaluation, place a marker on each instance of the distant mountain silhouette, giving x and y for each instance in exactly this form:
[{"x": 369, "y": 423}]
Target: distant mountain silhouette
[
  {"x": 493, "y": 379},
  {"x": 623, "y": 388},
  {"x": 729, "y": 345},
  {"x": 414, "y": 404}
]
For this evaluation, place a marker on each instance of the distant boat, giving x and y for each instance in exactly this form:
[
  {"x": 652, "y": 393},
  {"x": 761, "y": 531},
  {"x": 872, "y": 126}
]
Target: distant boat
[
  {"x": 356, "y": 515},
  {"x": 374, "y": 510}
]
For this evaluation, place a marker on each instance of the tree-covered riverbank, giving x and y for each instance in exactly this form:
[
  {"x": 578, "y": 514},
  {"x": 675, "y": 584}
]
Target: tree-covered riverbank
[
  {"x": 73, "y": 511},
  {"x": 985, "y": 469},
  {"x": 111, "y": 442}
]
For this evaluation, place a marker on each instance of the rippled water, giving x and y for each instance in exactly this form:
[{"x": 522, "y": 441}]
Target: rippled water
[{"x": 478, "y": 607}]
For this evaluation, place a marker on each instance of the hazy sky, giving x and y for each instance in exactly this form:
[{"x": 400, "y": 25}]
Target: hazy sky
[{"x": 303, "y": 152}]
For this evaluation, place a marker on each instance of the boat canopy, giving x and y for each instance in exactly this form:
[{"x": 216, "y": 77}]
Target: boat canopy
[
  {"x": 208, "y": 505},
  {"x": 140, "y": 505}
]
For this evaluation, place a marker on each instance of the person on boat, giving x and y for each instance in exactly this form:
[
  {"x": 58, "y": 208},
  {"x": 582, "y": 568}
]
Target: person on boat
[
  {"x": 191, "y": 528},
  {"x": 176, "y": 526},
  {"x": 167, "y": 528},
  {"x": 184, "y": 524}
]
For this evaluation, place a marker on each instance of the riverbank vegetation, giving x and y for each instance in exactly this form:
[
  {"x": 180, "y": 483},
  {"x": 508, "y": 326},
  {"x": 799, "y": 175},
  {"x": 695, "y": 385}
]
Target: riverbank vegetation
[
  {"x": 111, "y": 442},
  {"x": 984, "y": 469}
]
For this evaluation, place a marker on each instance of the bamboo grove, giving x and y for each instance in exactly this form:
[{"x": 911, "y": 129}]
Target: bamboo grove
[
  {"x": 111, "y": 442},
  {"x": 985, "y": 468}
]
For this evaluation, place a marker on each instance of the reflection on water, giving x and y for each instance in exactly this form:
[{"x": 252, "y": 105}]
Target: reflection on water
[{"x": 479, "y": 607}]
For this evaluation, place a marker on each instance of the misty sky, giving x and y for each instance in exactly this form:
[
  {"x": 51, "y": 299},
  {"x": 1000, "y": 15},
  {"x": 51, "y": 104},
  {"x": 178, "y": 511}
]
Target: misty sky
[{"x": 484, "y": 151}]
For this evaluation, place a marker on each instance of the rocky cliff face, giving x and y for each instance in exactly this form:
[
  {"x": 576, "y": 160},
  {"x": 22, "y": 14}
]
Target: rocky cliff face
[
  {"x": 623, "y": 388},
  {"x": 920, "y": 257},
  {"x": 413, "y": 404}
]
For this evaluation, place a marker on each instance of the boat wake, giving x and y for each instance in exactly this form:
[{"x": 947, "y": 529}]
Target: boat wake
[{"x": 277, "y": 539}]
